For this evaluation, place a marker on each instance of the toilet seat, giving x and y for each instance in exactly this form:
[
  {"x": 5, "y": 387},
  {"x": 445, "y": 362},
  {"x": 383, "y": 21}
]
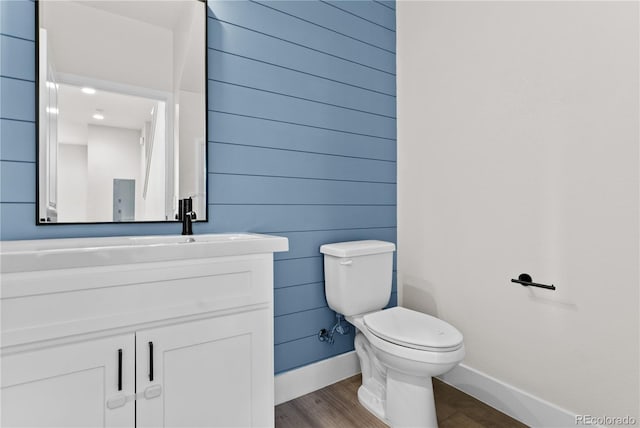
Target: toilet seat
[
  {"x": 405, "y": 352},
  {"x": 415, "y": 330}
]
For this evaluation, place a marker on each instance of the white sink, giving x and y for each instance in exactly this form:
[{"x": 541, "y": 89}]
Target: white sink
[
  {"x": 181, "y": 239},
  {"x": 19, "y": 256}
]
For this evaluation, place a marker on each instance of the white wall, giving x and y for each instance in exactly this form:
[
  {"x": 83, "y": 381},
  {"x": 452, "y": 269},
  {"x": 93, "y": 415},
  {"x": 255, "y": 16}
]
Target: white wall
[
  {"x": 111, "y": 153},
  {"x": 144, "y": 51},
  {"x": 518, "y": 130},
  {"x": 189, "y": 97},
  {"x": 72, "y": 182},
  {"x": 188, "y": 46},
  {"x": 154, "y": 201},
  {"x": 192, "y": 150}
]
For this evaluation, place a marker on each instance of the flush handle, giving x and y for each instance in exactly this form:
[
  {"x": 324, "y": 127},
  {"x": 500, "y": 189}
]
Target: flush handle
[{"x": 346, "y": 262}]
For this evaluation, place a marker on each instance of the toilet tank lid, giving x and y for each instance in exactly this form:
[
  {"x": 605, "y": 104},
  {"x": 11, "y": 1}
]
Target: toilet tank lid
[{"x": 357, "y": 248}]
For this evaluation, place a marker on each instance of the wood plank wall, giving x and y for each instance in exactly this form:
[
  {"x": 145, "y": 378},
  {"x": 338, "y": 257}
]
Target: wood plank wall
[{"x": 302, "y": 142}]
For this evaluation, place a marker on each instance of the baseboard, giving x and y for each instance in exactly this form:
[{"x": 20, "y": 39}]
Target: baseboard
[
  {"x": 298, "y": 382},
  {"x": 520, "y": 405}
]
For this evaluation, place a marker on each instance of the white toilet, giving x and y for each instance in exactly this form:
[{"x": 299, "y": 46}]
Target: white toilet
[{"x": 399, "y": 349}]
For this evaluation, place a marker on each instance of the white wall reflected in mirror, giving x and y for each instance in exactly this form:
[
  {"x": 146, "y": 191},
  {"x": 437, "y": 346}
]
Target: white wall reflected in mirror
[
  {"x": 122, "y": 120},
  {"x": 124, "y": 139}
]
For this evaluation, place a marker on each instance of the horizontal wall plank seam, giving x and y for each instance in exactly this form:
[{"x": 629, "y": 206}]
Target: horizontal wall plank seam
[
  {"x": 382, "y": 4},
  {"x": 305, "y": 47},
  {"x": 298, "y": 285},
  {"x": 301, "y": 285},
  {"x": 303, "y": 124},
  {"x": 299, "y": 312},
  {"x": 332, "y": 230},
  {"x": 304, "y": 178},
  {"x": 305, "y": 310},
  {"x": 299, "y": 258},
  {"x": 16, "y": 161},
  {"x": 17, "y": 120},
  {"x": 358, "y": 16},
  {"x": 264, "y": 231},
  {"x": 17, "y": 78},
  {"x": 18, "y": 202},
  {"x": 221, "y": 204},
  {"x": 304, "y": 72},
  {"x": 284, "y": 258},
  {"x": 299, "y": 151},
  {"x": 298, "y": 205},
  {"x": 14, "y": 119},
  {"x": 301, "y": 98},
  {"x": 299, "y": 338},
  {"x": 323, "y": 27},
  {"x": 17, "y": 37}
]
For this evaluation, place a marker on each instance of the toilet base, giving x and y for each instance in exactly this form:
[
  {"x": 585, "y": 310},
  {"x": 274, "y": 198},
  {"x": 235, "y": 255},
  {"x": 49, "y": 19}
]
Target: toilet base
[
  {"x": 373, "y": 403},
  {"x": 407, "y": 402},
  {"x": 410, "y": 401}
]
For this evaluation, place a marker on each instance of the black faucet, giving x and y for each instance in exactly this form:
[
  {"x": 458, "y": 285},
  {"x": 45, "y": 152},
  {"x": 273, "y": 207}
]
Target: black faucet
[{"x": 186, "y": 215}]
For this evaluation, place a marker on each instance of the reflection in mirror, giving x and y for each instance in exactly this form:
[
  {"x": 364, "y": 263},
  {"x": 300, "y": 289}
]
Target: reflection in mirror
[{"x": 122, "y": 110}]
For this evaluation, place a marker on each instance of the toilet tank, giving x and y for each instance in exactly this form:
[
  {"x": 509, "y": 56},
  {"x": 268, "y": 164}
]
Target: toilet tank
[{"x": 358, "y": 275}]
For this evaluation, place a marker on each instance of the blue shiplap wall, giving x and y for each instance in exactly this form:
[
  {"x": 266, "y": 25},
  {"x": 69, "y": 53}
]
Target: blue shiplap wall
[{"x": 302, "y": 143}]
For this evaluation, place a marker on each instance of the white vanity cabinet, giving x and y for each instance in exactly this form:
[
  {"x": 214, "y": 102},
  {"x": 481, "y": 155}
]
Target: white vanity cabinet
[
  {"x": 143, "y": 332},
  {"x": 211, "y": 372},
  {"x": 68, "y": 385}
]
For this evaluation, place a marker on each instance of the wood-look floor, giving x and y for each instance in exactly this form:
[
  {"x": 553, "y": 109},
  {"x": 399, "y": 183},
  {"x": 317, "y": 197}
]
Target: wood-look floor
[{"x": 337, "y": 406}]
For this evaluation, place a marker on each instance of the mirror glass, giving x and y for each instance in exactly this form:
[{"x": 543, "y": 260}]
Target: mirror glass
[{"x": 122, "y": 110}]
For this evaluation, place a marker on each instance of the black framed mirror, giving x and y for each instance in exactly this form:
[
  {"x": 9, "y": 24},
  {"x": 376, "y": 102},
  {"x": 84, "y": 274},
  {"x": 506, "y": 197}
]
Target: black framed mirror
[{"x": 122, "y": 110}]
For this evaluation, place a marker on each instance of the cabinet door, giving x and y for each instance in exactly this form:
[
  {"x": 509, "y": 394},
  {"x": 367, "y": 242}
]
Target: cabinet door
[
  {"x": 69, "y": 385},
  {"x": 216, "y": 372}
]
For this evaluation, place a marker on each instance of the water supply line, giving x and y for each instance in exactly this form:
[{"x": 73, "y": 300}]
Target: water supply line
[{"x": 338, "y": 327}]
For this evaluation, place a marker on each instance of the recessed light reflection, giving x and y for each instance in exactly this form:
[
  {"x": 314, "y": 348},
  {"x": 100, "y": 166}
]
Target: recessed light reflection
[{"x": 88, "y": 91}]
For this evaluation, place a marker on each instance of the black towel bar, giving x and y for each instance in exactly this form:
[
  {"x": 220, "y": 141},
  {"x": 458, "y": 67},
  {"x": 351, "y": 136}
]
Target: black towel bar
[{"x": 526, "y": 280}]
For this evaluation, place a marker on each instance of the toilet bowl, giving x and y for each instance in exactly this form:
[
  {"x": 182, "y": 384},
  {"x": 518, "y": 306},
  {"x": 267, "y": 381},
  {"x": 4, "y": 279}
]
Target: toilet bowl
[
  {"x": 399, "y": 349},
  {"x": 396, "y": 378}
]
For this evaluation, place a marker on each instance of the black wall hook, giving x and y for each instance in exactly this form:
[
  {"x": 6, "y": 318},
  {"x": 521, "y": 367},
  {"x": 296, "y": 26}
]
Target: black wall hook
[{"x": 526, "y": 280}]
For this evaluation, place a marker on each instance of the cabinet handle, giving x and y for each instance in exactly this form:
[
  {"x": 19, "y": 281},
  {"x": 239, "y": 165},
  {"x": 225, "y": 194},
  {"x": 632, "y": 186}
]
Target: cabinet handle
[
  {"x": 119, "y": 369},
  {"x": 150, "y": 361}
]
